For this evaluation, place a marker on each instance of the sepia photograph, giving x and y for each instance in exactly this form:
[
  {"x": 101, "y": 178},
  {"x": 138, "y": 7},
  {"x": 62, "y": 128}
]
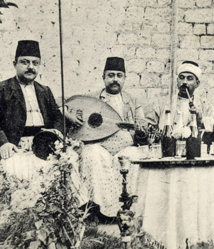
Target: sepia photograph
[{"x": 107, "y": 124}]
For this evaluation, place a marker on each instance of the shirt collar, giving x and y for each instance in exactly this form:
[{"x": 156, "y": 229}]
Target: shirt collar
[{"x": 104, "y": 95}]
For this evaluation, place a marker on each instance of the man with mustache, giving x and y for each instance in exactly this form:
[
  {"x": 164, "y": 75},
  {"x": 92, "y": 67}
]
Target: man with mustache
[
  {"x": 100, "y": 167},
  {"x": 186, "y": 101},
  {"x": 25, "y": 105},
  {"x": 129, "y": 109},
  {"x": 181, "y": 188}
]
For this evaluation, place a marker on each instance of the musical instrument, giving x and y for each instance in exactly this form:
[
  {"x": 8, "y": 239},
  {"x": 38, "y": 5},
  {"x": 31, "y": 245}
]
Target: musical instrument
[{"x": 100, "y": 120}]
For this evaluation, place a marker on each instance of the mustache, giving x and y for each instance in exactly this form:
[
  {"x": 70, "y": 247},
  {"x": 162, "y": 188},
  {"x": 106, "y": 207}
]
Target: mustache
[
  {"x": 115, "y": 83},
  {"x": 184, "y": 87},
  {"x": 30, "y": 71}
]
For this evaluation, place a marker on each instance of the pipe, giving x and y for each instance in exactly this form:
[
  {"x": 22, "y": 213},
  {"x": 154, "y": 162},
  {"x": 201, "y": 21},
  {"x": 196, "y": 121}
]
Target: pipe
[{"x": 62, "y": 75}]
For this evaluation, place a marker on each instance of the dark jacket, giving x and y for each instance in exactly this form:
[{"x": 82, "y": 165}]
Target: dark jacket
[{"x": 13, "y": 110}]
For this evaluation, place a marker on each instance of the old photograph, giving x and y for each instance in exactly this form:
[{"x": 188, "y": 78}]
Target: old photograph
[{"x": 106, "y": 124}]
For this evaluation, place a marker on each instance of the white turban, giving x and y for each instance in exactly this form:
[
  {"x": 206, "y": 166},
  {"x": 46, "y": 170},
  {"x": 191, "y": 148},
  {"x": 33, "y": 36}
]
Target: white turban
[{"x": 188, "y": 67}]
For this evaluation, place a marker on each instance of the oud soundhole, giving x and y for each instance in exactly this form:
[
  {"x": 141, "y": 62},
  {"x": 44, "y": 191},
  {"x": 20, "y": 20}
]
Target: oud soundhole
[{"x": 95, "y": 120}]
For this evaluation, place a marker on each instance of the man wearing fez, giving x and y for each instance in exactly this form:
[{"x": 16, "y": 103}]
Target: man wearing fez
[
  {"x": 25, "y": 105},
  {"x": 186, "y": 101},
  {"x": 100, "y": 166}
]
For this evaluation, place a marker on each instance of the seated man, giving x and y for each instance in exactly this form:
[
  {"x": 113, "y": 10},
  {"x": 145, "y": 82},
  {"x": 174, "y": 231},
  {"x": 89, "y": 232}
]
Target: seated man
[
  {"x": 186, "y": 101},
  {"x": 25, "y": 105},
  {"x": 100, "y": 167},
  {"x": 173, "y": 208}
]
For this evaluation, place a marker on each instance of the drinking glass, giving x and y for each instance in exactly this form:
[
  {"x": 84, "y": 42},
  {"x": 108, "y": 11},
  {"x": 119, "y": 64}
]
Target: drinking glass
[
  {"x": 156, "y": 151},
  {"x": 180, "y": 148}
]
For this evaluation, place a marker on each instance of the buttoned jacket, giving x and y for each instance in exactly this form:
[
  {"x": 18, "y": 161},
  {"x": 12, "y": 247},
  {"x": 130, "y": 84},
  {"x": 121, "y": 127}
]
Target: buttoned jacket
[{"x": 13, "y": 110}]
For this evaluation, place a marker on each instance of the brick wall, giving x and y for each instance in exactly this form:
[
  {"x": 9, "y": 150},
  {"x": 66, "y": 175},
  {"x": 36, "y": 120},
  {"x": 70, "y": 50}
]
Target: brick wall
[
  {"x": 138, "y": 30},
  {"x": 196, "y": 38}
]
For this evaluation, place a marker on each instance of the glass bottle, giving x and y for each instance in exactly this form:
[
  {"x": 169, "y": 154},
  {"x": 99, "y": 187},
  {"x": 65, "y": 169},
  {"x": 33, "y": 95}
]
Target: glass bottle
[
  {"x": 168, "y": 141},
  {"x": 193, "y": 143},
  {"x": 180, "y": 141},
  {"x": 179, "y": 123}
]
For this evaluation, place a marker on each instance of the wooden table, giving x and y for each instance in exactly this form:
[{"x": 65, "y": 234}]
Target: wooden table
[{"x": 176, "y": 199}]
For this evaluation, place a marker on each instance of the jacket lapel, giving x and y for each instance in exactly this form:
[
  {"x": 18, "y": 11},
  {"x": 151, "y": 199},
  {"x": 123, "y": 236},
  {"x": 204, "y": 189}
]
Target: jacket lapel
[
  {"x": 128, "y": 108},
  {"x": 103, "y": 96},
  {"x": 17, "y": 92}
]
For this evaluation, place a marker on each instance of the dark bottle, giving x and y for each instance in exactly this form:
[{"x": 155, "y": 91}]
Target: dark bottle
[
  {"x": 168, "y": 141},
  {"x": 193, "y": 143}
]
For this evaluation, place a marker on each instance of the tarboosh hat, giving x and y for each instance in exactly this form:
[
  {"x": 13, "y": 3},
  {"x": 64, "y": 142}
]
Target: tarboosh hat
[
  {"x": 115, "y": 63},
  {"x": 28, "y": 48}
]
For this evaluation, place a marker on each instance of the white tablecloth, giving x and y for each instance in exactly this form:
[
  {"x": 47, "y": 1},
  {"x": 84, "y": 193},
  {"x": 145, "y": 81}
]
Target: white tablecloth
[{"x": 176, "y": 204}]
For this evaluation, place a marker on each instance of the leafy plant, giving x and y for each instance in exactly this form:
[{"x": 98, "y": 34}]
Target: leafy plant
[
  {"x": 4, "y": 4},
  {"x": 44, "y": 213}
]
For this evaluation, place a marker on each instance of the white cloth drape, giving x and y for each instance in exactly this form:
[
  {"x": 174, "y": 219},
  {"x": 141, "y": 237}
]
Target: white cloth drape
[{"x": 177, "y": 204}]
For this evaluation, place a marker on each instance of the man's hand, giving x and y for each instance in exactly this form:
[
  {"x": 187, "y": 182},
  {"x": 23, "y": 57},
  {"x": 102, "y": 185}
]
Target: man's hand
[
  {"x": 77, "y": 122},
  {"x": 194, "y": 110},
  {"x": 140, "y": 130},
  {"x": 7, "y": 150},
  {"x": 140, "y": 137},
  {"x": 73, "y": 118},
  {"x": 198, "y": 113}
]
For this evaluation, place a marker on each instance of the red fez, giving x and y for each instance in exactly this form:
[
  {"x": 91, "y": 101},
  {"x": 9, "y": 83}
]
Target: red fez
[
  {"x": 115, "y": 63},
  {"x": 28, "y": 48}
]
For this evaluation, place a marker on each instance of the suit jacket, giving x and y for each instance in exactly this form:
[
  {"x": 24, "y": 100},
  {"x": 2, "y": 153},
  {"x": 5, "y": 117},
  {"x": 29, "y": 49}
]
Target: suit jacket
[{"x": 13, "y": 110}]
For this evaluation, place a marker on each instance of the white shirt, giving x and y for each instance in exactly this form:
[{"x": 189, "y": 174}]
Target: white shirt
[
  {"x": 34, "y": 116},
  {"x": 116, "y": 102}
]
